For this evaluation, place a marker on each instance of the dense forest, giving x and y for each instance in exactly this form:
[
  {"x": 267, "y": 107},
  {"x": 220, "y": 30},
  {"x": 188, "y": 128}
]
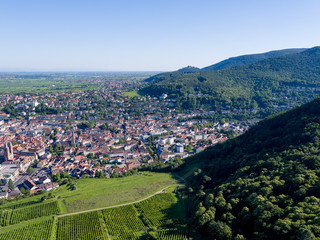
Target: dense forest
[
  {"x": 264, "y": 184},
  {"x": 249, "y": 59},
  {"x": 259, "y": 85}
]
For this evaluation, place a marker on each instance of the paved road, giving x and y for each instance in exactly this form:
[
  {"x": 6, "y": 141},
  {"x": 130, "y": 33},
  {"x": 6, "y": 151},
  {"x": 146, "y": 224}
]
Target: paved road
[{"x": 124, "y": 204}]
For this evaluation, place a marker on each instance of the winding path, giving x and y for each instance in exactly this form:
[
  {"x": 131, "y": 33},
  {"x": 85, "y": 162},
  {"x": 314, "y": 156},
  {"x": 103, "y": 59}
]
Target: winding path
[{"x": 123, "y": 204}]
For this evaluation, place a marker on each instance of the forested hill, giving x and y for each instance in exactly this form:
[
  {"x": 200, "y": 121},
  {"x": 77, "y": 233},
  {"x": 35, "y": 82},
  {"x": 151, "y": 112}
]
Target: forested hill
[
  {"x": 262, "y": 84},
  {"x": 249, "y": 59},
  {"x": 264, "y": 184}
]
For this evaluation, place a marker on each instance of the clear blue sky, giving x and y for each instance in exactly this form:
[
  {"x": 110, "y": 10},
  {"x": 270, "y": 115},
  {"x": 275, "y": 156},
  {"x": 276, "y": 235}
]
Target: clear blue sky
[{"x": 149, "y": 34}]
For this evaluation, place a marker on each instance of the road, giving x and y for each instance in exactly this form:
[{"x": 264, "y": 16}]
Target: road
[{"x": 120, "y": 205}]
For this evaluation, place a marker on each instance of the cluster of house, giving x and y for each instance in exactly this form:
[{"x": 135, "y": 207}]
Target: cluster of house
[
  {"x": 37, "y": 184},
  {"x": 56, "y": 143},
  {"x": 125, "y": 144},
  {"x": 15, "y": 163}
]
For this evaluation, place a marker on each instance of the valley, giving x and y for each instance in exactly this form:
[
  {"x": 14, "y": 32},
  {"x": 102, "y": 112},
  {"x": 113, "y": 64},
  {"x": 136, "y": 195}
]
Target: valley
[{"x": 225, "y": 152}]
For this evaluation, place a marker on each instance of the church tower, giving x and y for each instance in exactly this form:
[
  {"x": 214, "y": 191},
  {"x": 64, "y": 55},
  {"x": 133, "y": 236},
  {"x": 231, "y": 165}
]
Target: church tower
[
  {"x": 73, "y": 137},
  {"x": 8, "y": 151}
]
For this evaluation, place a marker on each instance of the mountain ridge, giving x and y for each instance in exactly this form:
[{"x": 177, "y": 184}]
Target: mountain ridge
[
  {"x": 250, "y": 58},
  {"x": 258, "y": 84}
]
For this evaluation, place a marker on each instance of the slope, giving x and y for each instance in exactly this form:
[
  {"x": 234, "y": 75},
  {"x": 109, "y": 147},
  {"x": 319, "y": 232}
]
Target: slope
[
  {"x": 249, "y": 59},
  {"x": 264, "y": 184},
  {"x": 262, "y": 84}
]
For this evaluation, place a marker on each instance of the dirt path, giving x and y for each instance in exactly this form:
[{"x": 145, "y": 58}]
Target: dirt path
[{"x": 124, "y": 204}]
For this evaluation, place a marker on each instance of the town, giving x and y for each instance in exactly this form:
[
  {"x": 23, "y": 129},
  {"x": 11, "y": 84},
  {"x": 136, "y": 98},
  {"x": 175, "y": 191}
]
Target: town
[{"x": 97, "y": 133}]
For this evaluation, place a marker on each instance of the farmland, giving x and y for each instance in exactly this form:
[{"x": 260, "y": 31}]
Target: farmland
[
  {"x": 40, "y": 229},
  {"x": 96, "y": 193},
  {"x": 81, "y": 226},
  {"x": 11, "y": 217},
  {"x": 15, "y": 83},
  {"x": 15, "y": 86},
  {"x": 31, "y": 212},
  {"x": 131, "y": 221},
  {"x": 160, "y": 215},
  {"x": 158, "y": 209},
  {"x": 123, "y": 222}
]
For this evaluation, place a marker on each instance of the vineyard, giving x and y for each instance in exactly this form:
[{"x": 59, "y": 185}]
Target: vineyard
[
  {"x": 19, "y": 205},
  {"x": 85, "y": 226},
  {"x": 160, "y": 216},
  {"x": 172, "y": 235},
  {"x": 31, "y": 212},
  {"x": 159, "y": 209},
  {"x": 126, "y": 222},
  {"x": 40, "y": 230},
  {"x": 123, "y": 222}
]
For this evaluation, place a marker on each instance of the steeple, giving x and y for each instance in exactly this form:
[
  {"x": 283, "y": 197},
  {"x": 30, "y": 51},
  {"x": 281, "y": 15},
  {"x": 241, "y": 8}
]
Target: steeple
[
  {"x": 73, "y": 137},
  {"x": 8, "y": 151}
]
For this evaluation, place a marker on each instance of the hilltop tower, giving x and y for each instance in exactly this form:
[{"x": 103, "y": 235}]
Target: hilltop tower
[{"x": 8, "y": 151}]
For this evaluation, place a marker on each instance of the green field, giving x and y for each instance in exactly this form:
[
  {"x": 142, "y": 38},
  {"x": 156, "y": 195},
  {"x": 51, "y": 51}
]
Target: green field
[
  {"x": 123, "y": 222},
  {"x": 131, "y": 94},
  {"x": 158, "y": 209},
  {"x": 40, "y": 229},
  {"x": 31, "y": 212},
  {"x": 12, "y": 83},
  {"x": 89, "y": 194},
  {"x": 14, "y": 86},
  {"x": 161, "y": 215},
  {"x": 14, "y": 216},
  {"x": 81, "y": 226},
  {"x": 96, "y": 193}
]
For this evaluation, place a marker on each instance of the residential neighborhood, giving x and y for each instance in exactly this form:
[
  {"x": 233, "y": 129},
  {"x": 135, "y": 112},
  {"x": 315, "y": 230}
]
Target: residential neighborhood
[{"x": 94, "y": 134}]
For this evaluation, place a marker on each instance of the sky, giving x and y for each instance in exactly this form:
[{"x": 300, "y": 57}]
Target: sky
[{"x": 148, "y": 35}]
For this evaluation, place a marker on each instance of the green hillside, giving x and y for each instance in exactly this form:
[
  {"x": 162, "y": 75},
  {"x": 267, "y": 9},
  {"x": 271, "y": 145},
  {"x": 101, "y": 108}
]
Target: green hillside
[
  {"x": 264, "y": 184},
  {"x": 249, "y": 59},
  {"x": 283, "y": 80}
]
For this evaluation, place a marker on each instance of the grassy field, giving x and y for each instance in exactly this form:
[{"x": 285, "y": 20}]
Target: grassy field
[
  {"x": 131, "y": 94},
  {"x": 96, "y": 193},
  {"x": 90, "y": 194}
]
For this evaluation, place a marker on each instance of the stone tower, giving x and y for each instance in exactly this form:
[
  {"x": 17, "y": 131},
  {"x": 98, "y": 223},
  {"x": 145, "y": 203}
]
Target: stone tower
[
  {"x": 73, "y": 137},
  {"x": 8, "y": 151}
]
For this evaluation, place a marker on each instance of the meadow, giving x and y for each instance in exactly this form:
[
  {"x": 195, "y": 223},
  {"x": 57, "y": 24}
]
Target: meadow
[
  {"x": 96, "y": 193},
  {"x": 131, "y": 94}
]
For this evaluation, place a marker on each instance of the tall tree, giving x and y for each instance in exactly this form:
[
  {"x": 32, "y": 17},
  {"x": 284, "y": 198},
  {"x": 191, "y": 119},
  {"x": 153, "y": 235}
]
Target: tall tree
[{"x": 10, "y": 184}]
